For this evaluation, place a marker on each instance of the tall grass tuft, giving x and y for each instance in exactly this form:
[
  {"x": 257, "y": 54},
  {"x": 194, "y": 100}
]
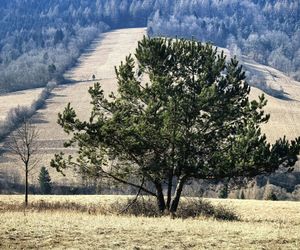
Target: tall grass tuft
[{"x": 189, "y": 208}]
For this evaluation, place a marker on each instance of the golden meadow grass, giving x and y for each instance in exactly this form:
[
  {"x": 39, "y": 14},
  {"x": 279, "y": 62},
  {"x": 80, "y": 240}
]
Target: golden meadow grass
[{"x": 262, "y": 225}]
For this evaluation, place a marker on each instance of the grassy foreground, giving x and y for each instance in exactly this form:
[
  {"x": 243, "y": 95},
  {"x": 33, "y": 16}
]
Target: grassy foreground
[{"x": 263, "y": 225}]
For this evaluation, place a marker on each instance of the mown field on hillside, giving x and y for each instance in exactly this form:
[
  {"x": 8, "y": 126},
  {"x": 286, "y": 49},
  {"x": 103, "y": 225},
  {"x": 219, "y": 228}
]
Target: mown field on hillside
[
  {"x": 105, "y": 52},
  {"x": 18, "y": 98},
  {"x": 262, "y": 225}
]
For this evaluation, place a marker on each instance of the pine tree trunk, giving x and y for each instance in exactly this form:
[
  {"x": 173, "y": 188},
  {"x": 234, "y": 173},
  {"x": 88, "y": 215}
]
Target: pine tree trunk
[
  {"x": 160, "y": 197},
  {"x": 169, "y": 194},
  {"x": 177, "y": 195}
]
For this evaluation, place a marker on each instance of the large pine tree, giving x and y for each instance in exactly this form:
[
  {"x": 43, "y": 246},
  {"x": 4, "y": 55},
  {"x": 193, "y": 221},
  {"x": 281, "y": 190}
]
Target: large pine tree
[{"x": 181, "y": 112}]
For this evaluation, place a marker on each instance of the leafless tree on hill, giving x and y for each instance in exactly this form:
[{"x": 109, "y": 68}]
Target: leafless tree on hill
[{"x": 23, "y": 143}]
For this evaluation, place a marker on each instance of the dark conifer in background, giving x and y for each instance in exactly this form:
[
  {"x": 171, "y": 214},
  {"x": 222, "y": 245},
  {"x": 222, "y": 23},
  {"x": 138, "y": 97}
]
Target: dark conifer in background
[{"x": 45, "y": 181}]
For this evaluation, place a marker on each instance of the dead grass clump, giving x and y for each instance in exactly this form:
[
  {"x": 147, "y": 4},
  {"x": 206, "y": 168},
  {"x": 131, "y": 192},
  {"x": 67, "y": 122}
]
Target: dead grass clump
[
  {"x": 189, "y": 208},
  {"x": 139, "y": 207},
  {"x": 39, "y": 206},
  {"x": 194, "y": 207},
  {"x": 62, "y": 206}
]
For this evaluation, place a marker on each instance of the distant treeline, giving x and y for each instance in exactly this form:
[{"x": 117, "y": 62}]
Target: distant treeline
[
  {"x": 40, "y": 39},
  {"x": 266, "y": 30}
]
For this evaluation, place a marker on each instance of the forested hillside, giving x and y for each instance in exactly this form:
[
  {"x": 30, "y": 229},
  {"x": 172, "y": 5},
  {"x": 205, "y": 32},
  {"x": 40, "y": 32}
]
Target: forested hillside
[
  {"x": 267, "y": 31},
  {"x": 40, "y": 39}
]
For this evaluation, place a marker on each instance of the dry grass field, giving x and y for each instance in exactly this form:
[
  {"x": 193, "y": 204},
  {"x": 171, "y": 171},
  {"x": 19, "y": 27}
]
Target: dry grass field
[
  {"x": 105, "y": 53},
  {"x": 19, "y": 98},
  {"x": 262, "y": 225},
  {"x": 285, "y": 112}
]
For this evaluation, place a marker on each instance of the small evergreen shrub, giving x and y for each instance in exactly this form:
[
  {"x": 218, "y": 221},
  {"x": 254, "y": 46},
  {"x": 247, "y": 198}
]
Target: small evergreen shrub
[
  {"x": 224, "y": 192},
  {"x": 45, "y": 181},
  {"x": 272, "y": 196}
]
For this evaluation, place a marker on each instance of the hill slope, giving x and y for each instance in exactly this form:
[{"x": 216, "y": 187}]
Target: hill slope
[
  {"x": 105, "y": 53},
  {"x": 285, "y": 111},
  {"x": 12, "y": 100}
]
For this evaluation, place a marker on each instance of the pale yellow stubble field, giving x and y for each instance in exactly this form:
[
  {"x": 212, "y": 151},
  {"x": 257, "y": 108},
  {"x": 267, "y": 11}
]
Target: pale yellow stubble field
[
  {"x": 19, "y": 98},
  {"x": 263, "y": 225}
]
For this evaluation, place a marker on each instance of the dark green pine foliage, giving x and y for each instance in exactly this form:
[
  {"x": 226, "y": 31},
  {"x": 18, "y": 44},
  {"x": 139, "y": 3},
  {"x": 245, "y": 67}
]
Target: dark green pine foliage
[
  {"x": 181, "y": 112},
  {"x": 224, "y": 192},
  {"x": 45, "y": 181}
]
